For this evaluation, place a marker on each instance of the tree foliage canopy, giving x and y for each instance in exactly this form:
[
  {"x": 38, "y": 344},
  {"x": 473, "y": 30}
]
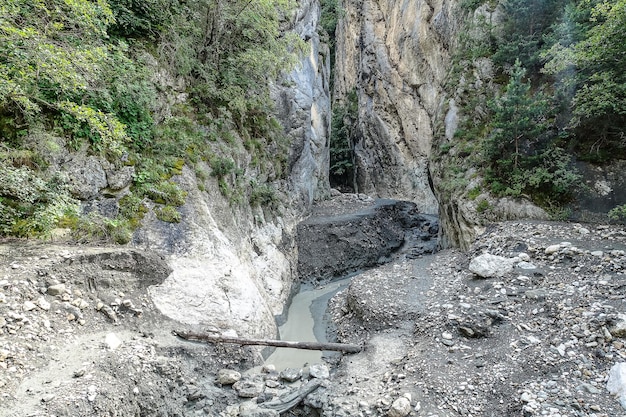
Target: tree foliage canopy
[{"x": 81, "y": 73}]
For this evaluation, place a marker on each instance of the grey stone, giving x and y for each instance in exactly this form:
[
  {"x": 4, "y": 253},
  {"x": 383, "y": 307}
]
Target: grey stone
[
  {"x": 618, "y": 327},
  {"x": 248, "y": 387},
  {"x": 536, "y": 294},
  {"x": 120, "y": 178},
  {"x": 86, "y": 176},
  {"x": 56, "y": 289},
  {"x": 291, "y": 374},
  {"x": 228, "y": 376},
  {"x": 487, "y": 265},
  {"x": 259, "y": 412}
]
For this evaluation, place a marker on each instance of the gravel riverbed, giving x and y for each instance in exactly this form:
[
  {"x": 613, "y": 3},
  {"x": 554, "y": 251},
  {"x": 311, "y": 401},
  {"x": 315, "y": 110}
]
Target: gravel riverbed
[{"x": 530, "y": 322}]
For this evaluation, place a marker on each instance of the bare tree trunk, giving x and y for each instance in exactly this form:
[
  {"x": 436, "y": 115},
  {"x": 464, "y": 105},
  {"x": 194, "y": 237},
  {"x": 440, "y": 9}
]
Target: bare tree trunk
[{"x": 204, "y": 337}]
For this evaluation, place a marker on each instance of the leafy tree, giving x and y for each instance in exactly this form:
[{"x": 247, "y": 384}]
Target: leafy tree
[
  {"x": 590, "y": 70},
  {"x": 343, "y": 130},
  {"x": 53, "y": 52}
]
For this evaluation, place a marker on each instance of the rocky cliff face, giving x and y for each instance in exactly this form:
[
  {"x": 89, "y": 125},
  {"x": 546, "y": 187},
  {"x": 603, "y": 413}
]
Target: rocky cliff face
[
  {"x": 398, "y": 57},
  {"x": 395, "y": 55},
  {"x": 235, "y": 267},
  {"x": 303, "y": 105}
]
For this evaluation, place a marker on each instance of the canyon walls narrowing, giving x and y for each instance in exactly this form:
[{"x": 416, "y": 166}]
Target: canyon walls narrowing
[{"x": 395, "y": 56}]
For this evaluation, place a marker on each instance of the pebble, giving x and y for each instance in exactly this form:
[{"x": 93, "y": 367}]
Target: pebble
[
  {"x": 29, "y": 306},
  {"x": 57, "y": 289},
  {"x": 228, "y": 376}
]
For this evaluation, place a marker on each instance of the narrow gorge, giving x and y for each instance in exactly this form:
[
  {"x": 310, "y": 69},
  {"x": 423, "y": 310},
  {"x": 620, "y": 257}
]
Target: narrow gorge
[{"x": 192, "y": 165}]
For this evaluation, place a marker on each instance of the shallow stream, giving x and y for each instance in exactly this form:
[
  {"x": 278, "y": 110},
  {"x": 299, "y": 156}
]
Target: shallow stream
[{"x": 305, "y": 323}]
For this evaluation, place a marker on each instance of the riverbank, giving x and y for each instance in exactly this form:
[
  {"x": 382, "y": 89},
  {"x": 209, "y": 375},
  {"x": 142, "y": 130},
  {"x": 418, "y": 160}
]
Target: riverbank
[{"x": 538, "y": 337}]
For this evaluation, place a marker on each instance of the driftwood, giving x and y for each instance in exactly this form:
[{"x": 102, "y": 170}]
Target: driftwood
[
  {"x": 290, "y": 400},
  {"x": 204, "y": 337}
]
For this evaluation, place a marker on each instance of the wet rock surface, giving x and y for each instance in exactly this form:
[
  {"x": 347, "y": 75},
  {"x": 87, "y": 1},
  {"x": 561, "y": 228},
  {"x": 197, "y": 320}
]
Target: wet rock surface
[{"x": 544, "y": 338}]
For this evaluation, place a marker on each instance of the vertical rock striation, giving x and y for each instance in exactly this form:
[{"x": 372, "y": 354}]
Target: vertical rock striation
[
  {"x": 234, "y": 266},
  {"x": 395, "y": 55},
  {"x": 303, "y": 106}
]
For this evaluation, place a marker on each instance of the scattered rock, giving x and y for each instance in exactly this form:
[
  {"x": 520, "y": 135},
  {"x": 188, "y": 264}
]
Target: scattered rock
[
  {"x": 248, "y": 387},
  {"x": 488, "y": 266},
  {"x": 56, "y": 289},
  {"x": 616, "y": 384},
  {"x": 291, "y": 374},
  {"x": 618, "y": 327},
  {"x": 228, "y": 376}
]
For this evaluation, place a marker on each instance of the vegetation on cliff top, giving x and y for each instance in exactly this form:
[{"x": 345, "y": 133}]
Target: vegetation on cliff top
[
  {"x": 562, "y": 96},
  {"x": 99, "y": 78}
]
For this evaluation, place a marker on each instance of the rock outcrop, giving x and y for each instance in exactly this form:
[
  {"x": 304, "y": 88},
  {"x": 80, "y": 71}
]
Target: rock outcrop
[
  {"x": 395, "y": 55},
  {"x": 234, "y": 266},
  {"x": 303, "y": 106}
]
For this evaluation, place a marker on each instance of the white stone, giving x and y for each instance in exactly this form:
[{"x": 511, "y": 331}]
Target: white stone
[
  {"x": 400, "y": 408},
  {"x": 228, "y": 376},
  {"x": 552, "y": 249},
  {"x": 43, "y": 304},
  {"x": 29, "y": 305},
  {"x": 487, "y": 265},
  {"x": 616, "y": 384},
  {"x": 112, "y": 341},
  {"x": 319, "y": 370}
]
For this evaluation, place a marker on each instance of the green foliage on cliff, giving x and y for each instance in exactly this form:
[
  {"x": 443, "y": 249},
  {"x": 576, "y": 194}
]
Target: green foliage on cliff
[
  {"x": 561, "y": 96},
  {"x": 343, "y": 130},
  {"x": 98, "y": 77}
]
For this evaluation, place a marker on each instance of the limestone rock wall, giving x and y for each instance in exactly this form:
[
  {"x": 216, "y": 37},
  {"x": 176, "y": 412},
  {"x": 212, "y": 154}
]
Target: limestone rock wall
[
  {"x": 395, "y": 54},
  {"x": 303, "y": 105},
  {"x": 235, "y": 267}
]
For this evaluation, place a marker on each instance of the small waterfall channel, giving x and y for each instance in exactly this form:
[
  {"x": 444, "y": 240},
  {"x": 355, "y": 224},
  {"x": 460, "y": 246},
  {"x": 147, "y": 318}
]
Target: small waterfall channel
[{"x": 335, "y": 244}]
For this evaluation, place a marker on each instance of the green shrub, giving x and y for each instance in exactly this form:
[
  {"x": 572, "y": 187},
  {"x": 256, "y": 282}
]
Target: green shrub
[
  {"x": 482, "y": 206},
  {"x": 168, "y": 214},
  {"x": 220, "y": 166},
  {"x": 167, "y": 192},
  {"x": 263, "y": 195},
  {"x": 31, "y": 205},
  {"x": 618, "y": 213}
]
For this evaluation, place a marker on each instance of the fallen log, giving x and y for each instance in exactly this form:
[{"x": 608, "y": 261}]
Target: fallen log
[
  {"x": 290, "y": 400},
  {"x": 205, "y": 337}
]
